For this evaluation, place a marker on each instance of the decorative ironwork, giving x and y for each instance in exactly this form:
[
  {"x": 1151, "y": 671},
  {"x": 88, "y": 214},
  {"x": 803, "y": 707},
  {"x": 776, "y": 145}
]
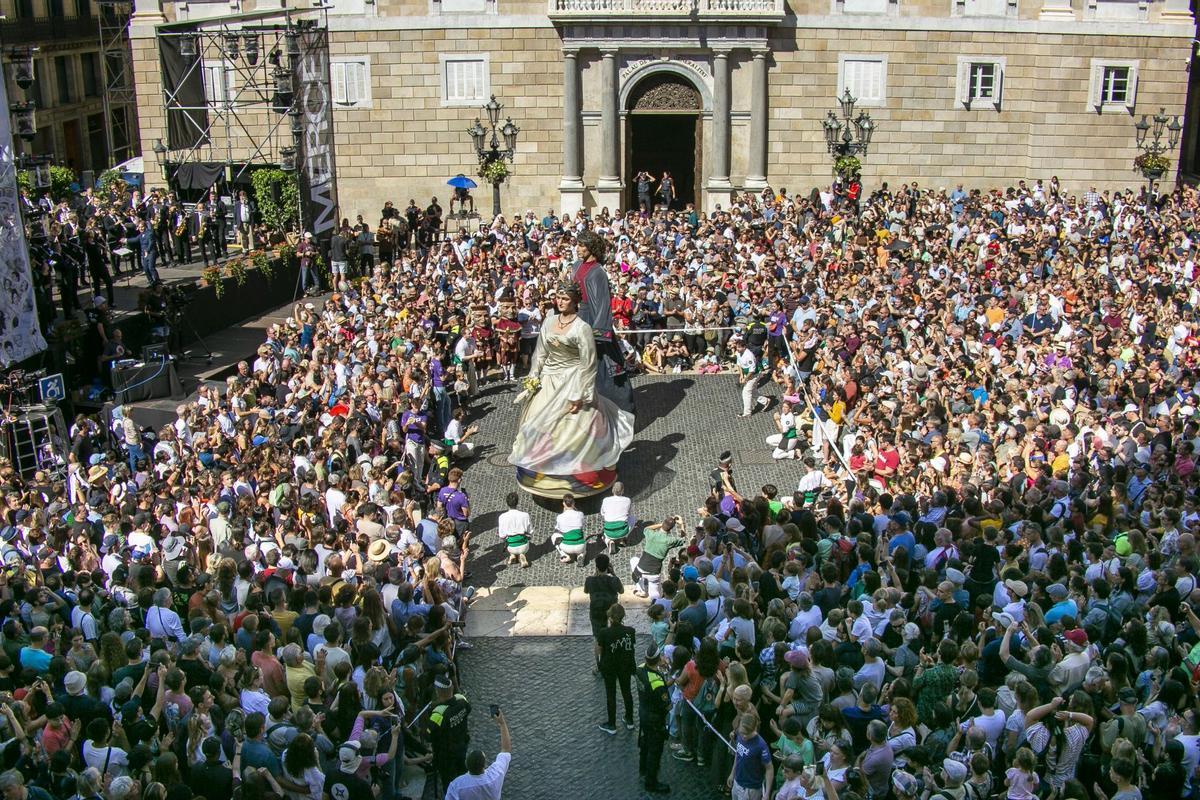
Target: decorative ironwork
[{"x": 665, "y": 93}]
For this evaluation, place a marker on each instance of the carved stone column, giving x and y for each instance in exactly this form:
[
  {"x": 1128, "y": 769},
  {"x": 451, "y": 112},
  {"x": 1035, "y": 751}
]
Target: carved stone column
[
  {"x": 609, "y": 185},
  {"x": 719, "y": 188},
  {"x": 756, "y": 170},
  {"x": 571, "y": 188}
]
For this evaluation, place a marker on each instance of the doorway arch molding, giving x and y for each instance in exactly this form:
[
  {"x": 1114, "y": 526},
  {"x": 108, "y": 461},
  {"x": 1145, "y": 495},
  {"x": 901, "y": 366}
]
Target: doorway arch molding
[{"x": 680, "y": 69}]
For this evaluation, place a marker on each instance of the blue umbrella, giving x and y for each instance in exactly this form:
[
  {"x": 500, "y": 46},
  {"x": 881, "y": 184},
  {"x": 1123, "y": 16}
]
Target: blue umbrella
[{"x": 461, "y": 181}]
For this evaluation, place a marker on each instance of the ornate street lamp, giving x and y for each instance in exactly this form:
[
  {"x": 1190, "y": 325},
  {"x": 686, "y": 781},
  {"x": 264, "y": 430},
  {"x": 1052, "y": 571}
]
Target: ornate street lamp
[
  {"x": 21, "y": 61},
  {"x": 41, "y": 172},
  {"x": 287, "y": 159},
  {"x": 24, "y": 118},
  {"x": 1153, "y": 162},
  {"x": 492, "y": 156},
  {"x": 848, "y": 136},
  {"x": 250, "y": 46},
  {"x": 187, "y": 46}
]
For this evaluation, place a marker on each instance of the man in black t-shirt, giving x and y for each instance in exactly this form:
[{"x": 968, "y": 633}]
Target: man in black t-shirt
[
  {"x": 602, "y": 590},
  {"x": 213, "y": 774},
  {"x": 342, "y": 783},
  {"x": 614, "y": 650}
]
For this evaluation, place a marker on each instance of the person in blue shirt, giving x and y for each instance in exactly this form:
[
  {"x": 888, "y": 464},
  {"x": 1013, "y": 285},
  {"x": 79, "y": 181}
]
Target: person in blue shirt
[
  {"x": 753, "y": 771},
  {"x": 899, "y": 533},
  {"x": 1063, "y": 606},
  {"x": 34, "y": 656}
]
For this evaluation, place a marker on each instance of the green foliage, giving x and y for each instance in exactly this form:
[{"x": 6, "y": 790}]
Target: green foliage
[
  {"x": 282, "y": 215},
  {"x": 61, "y": 179},
  {"x": 237, "y": 270},
  {"x": 1152, "y": 162},
  {"x": 846, "y": 165},
  {"x": 494, "y": 171},
  {"x": 212, "y": 276},
  {"x": 265, "y": 264},
  {"x": 110, "y": 181}
]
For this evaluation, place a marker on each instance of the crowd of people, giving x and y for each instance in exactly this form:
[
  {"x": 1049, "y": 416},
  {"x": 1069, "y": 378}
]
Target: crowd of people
[{"x": 982, "y": 585}]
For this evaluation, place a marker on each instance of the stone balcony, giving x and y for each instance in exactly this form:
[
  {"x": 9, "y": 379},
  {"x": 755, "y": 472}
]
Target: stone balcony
[{"x": 759, "y": 11}]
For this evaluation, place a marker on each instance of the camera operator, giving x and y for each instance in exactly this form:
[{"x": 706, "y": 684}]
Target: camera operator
[{"x": 155, "y": 303}]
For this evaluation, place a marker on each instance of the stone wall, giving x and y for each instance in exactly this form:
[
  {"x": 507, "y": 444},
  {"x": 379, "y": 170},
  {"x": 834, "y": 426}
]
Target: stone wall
[
  {"x": 408, "y": 142},
  {"x": 1043, "y": 126}
]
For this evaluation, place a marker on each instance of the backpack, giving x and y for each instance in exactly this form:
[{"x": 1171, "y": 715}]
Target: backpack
[
  {"x": 841, "y": 552},
  {"x": 706, "y": 698},
  {"x": 1112, "y": 623}
]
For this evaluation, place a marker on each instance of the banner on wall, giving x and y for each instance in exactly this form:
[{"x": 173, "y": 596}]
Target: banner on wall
[
  {"x": 20, "y": 337},
  {"x": 316, "y": 170}
]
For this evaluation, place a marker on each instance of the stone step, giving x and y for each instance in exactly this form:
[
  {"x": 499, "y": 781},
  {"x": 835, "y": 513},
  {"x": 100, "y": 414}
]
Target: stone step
[{"x": 543, "y": 611}]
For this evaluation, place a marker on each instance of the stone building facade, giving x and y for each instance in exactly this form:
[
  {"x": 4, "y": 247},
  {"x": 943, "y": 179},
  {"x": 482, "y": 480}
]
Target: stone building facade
[
  {"x": 727, "y": 94},
  {"x": 68, "y": 92}
]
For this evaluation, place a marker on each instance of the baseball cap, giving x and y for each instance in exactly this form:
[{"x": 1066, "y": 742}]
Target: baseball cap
[{"x": 348, "y": 757}]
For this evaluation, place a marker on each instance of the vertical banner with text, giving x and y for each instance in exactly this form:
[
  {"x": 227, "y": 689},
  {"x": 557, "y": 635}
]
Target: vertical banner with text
[
  {"x": 20, "y": 336},
  {"x": 316, "y": 172}
]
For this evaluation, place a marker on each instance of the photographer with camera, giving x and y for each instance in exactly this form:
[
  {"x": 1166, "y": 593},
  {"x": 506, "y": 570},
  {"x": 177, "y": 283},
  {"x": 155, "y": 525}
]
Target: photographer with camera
[{"x": 484, "y": 781}]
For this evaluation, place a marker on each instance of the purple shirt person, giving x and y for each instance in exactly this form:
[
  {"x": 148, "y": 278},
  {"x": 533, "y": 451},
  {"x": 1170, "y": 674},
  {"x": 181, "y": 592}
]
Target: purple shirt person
[
  {"x": 455, "y": 501},
  {"x": 414, "y": 422}
]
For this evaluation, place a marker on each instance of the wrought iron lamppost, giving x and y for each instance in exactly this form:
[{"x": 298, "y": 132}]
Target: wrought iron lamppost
[
  {"x": 1152, "y": 162},
  {"x": 490, "y": 152},
  {"x": 850, "y": 135}
]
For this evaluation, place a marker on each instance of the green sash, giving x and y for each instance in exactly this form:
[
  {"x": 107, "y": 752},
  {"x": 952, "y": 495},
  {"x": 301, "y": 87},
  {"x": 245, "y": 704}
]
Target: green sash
[
  {"x": 517, "y": 540},
  {"x": 616, "y": 530},
  {"x": 573, "y": 537}
]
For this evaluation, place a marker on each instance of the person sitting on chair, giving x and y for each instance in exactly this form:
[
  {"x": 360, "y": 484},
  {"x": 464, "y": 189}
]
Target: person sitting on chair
[{"x": 568, "y": 536}]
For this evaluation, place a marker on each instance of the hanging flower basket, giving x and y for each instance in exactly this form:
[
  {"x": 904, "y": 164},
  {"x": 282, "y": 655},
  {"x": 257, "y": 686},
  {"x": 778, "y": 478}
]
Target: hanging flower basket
[
  {"x": 846, "y": 165},
  {"x": 1152, "y": 164},
  {"x": 494, "y": 171}
]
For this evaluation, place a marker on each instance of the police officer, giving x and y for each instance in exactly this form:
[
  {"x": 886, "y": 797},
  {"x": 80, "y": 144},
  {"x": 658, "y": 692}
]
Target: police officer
[
  {"x": 447, "y": 730},
  {"x": 654, "y": 703}
]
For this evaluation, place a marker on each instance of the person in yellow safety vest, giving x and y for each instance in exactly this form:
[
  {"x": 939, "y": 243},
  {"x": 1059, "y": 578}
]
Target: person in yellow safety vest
[
  {"x": 568, "y": 535},
  {"x": 654, "y": 704},
  {"x": 616, "y": 512},
  {"x": 447, "y": 731}
]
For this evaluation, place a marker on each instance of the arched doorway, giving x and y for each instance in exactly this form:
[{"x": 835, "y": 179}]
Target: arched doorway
[{"x": 663, "y": 133}]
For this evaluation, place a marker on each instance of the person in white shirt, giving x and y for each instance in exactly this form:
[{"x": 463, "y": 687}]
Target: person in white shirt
[
  {"x": 568, "y": 537},
  {"x": 515, "y": 528},
  {"x": 161, "y": 621},
  {"x": 482, "y": 781},
  {"x": 616, "y": 512}
]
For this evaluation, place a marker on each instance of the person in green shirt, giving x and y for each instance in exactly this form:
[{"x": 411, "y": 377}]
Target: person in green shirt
[
  {"x": 792, "y": 741},
  {"x": 658, "y": 540},
  {"x": 934, "y": 682}
]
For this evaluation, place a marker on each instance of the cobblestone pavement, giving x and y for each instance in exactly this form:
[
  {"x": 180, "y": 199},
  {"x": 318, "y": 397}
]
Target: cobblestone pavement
[
  {"x": 552, "y": 703},
  {"x": 683, "y": 424}
]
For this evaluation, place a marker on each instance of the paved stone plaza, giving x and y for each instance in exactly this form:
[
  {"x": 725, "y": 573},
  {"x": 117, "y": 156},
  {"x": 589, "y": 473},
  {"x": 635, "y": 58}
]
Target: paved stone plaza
[
  {"x": 545, "y": 683},
  {"x": 683, "y": 424}
]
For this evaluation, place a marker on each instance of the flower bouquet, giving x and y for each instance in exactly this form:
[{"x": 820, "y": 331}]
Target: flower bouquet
[{"x": 529, "y": 387}]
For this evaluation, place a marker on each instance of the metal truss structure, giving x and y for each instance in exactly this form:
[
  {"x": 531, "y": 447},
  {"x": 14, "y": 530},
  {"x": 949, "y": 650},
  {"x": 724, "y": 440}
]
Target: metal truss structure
[
  {"x": 116, "y": 61},
  {"x": 251, "y": 114}
]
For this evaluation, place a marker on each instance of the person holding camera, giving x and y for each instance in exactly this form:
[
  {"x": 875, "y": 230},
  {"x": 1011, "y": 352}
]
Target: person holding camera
[{"x": 484, "y": 781}]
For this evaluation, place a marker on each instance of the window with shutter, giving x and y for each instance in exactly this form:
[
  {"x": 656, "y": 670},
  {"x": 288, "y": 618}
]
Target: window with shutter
[
  {"x": 980, "y": 81},
  {"x": 351, "y": 82},
  {"x": 466, "y": 80},
  {"x": 1113, "y": 85},
  {"x": 866, "y": 78}
]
